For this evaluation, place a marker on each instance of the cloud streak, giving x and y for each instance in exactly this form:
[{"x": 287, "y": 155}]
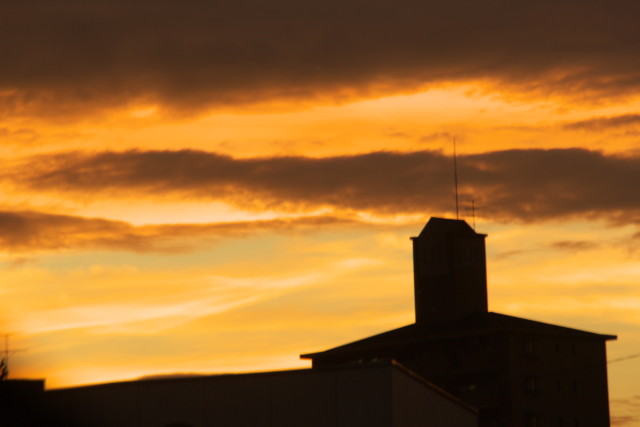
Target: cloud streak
[
  {"x": 514, "y": 185},
  {"x": 189, "y": 55},
  {"x": 23, "y": 231},
  {"x": 605, "y": 123},
  {"x": 574, "y": 245}
]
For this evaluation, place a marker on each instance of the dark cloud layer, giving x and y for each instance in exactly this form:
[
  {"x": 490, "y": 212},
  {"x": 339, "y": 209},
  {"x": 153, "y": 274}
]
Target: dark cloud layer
[
  {"x": 520, "y": 185},
  {"x": 22, "y": 231},
  {"x": 64, "y": 56},
  {"x": 604, "y": 123}
]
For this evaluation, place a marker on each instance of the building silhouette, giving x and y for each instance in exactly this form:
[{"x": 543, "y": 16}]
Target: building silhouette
[
  {"x": 517, "y": 372},
  {"x": 458, "y": 365},
  {"x": 21, "y": 403},
  {"x": 383, "y": 394}
]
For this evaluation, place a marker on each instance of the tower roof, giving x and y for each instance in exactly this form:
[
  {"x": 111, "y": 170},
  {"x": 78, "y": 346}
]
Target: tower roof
[{"x": 443, "y": 226}]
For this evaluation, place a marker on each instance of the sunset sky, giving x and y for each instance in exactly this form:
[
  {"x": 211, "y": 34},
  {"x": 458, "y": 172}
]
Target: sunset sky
[{"x": 221, "y": 186}]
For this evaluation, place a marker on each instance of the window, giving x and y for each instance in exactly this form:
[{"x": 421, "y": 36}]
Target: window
[
  {"x": 466, "y": 388},
  {"x": 532, "y": 385},
  {"x": 532, "y": 347},
  {"x": 532, "y": 420}
]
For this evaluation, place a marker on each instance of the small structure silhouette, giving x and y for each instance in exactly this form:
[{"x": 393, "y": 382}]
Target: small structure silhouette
[
  {"x": 517, "y": 372},
  {"x": 383, "y": 394},
  {"x": 21, "y": 403}
]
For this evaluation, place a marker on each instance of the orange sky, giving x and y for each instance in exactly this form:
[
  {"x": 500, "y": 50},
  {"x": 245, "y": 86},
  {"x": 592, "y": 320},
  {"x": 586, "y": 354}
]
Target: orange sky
[{"x": 216, "y": 188}]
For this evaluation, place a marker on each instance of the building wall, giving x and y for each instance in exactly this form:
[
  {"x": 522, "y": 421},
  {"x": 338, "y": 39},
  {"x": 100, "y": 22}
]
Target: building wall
[
  {"x": 518, "y": 379},
  {"x": 559, "y": 381},
  {"x": 21, "y": 403},
  {"x": 416, "y": 405},
  {"x": 366, "y": 396},
  {"x": 473, "y": 368}
]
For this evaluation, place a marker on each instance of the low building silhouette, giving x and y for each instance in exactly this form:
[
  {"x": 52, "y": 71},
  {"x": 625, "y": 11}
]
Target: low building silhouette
[
  {"x": 21, "y": 403},
  {"x": 517, "y": 372},
  {"x": 383, "y": 394}
]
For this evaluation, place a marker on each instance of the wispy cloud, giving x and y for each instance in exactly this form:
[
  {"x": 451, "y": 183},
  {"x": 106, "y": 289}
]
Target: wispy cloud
[
  {"x": 20, "y": 135},
  {"x": 209, "y": 296},
  {"x": 437, "y": 136},
  {"x": 626, "y": 412},
  {"x": 604, "y": 123},
  {"x": 24, "y": 231},
  {"x": 574, "y": 245}
]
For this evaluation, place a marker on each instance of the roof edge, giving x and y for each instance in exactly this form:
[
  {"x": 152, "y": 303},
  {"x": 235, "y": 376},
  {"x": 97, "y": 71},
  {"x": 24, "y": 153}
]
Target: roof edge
[
  {"x": 433, "y": 386},
  {"x": 521, "y": 325}
]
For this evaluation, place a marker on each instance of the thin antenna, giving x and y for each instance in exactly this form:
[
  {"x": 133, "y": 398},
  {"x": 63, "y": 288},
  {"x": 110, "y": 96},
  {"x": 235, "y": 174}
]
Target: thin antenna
[
  {"x": 455, "y": 174},
  {"x": 473, "y": 213},
  {"x": 4, "y": 363},
  {"x": 473, "y": 208}
]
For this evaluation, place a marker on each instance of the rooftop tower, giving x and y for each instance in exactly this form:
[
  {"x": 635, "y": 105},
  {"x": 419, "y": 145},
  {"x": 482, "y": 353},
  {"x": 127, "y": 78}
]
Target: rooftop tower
[{"x": 450, "y": 273}]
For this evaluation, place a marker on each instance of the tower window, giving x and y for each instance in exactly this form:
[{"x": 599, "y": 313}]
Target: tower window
[
  {"x": 466, "y": 388},
  {"x": 532, "y": 385},
  {"x": 532, "y": 420},
  {"x": 532, "y": 347}
]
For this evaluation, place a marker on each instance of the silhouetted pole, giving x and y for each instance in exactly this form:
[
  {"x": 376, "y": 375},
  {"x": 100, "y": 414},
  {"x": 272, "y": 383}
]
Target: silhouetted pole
[
  {"x": 473, "y": 213},
  {"x": 4, "y": 363},
  {"x": 472, "y": 208}
]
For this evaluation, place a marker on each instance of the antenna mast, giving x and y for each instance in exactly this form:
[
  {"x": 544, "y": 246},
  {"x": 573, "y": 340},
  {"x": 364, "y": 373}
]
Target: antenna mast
[
  {"x": 455, "y": 174},
  {"x": 4, "y": 363},
  {"x": 473, "y": 212}
]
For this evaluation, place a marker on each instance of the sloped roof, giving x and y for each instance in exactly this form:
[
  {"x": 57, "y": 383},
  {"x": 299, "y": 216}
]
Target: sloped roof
[
  {"x": 490, "y": 322},
  {"x": 442, "y": 226}
]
